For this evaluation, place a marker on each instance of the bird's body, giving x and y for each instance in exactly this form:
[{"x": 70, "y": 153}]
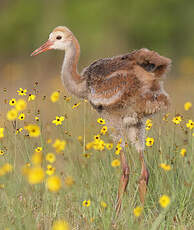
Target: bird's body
[{"x": 125, "y": 90}]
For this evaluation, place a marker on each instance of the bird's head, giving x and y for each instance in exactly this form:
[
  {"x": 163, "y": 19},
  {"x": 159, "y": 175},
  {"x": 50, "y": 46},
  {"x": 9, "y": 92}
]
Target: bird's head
[{"x": 59, "y": 39}]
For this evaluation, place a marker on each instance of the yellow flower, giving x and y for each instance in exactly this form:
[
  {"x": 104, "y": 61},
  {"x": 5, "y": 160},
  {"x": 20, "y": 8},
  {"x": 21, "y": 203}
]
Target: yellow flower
[
  {"x": 26, "y": 169},
  {"x": 2, "y": 186},
  {"x": 59, "y": 145},
  {"x": 190, "y": 124},
  {"x": 33, "y": 129},
  {"x": 21, "y": 116},
  {"x": 137, "y": 211},
  {"x": 187, "y": 106},
  {"x": 38, "y": 149},
  {"x": 1, "y": 132},
  {"x": 99, "y": 145},
  {"x": 101, "y": 121},
  {"x": 67, "y": 99},
  {"x": 165, "y": 167},
  {"x": 28, "y": 164},
  {"x": 31, "y": 97},
  {"x": 58, "y": 120},
  {"x": 12, "y": 114},
  {"x": 89, "y": 145},
  {"x": 53, "y": 183},
  {"x": 148, "y": 124},
  {"x": 120, "y": 141},
  {"x": 36, "y": 118},
  {"x": 109, "y": 146},
  {"x": 60, "y": 225},
  {"x": 7, "y": 168},
  {"x": 86, "y": 155},
  {"x": 97, "y": 138},
  {"x": 76, "y": 105},
  {"x": 50, "y": 157},
  {"x": 80, "y": 138},
  {"x": 115, "y": 163},
  {"x": 177, "y": 120},
  {"x": 118, "y": 149},
  {"x": 86, "y": 203},
  {"x": 22, "y": 92},
  {"x": 55, "y": 96},
  {"x": 2, "y": 173},
  {"x": 183, "y": 152},
  {"x": 37, "y": 158},
  {"x": 49, "y": 141},
  {"x": 21, "y": 105},
  {"x": 35, "y": 175},
  {"x": 148, "y": 121},
  {"x": 92, "y": 219},
  {"x": 50, "y": 170},
  {"x": 149, "y": 141},
  {"x": 2, "y": 152},
  {"x": 104, "y": 130},
  {"x": 19, "y": 130},
  {"x": 165, "y": 117},
  {"x": 69, "y": 181},
  {"x": 12, "y": 101},
  {"x": 103, "y": 204},
  {"x": 164, "y": 201}
]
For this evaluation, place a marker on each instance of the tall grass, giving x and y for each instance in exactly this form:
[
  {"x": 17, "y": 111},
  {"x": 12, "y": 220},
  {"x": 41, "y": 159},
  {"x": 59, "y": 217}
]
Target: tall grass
[{"x": 28, "y": 207}]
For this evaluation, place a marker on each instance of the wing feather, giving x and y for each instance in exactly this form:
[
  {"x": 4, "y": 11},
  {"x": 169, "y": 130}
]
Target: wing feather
[{"x": 117, "y": 87}]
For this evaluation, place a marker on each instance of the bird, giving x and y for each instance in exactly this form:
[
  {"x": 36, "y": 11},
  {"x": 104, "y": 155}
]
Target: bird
[{"x": 125, "y": 90}]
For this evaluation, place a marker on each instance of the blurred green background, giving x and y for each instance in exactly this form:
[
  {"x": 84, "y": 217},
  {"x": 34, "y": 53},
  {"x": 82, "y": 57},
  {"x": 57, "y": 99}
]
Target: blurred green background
[{"x": 104, "y": 28}]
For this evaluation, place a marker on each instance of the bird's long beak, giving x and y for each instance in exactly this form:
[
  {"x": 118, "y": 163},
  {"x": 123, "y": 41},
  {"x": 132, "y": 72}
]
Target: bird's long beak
[{"x": 46, "y": 46}]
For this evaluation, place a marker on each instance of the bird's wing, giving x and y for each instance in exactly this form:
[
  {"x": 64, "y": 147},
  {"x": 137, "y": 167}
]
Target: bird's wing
[
  {"x": 148, "y": 60},
  {"x": 107, "y": 79},
  {"x": 104, "y": 67},
  {"x": 114, "y": 89}
]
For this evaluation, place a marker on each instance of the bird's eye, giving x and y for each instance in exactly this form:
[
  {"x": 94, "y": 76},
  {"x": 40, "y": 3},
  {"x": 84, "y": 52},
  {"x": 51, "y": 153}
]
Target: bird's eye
[{"x": 58, "y": 37}]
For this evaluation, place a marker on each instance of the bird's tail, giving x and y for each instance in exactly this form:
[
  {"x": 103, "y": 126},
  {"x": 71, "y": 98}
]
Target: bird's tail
[{"x": 151, "y": 61}]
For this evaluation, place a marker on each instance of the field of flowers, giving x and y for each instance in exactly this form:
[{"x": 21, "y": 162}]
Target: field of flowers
[{"x": 60, "y": 169}]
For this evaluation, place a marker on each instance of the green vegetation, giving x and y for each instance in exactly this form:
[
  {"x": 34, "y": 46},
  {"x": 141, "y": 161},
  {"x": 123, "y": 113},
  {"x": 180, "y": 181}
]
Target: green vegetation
[
  {"x": 166, "y": 26},
  {"x": 86, "y": 184},
  {"x": 85, "y": 171}
]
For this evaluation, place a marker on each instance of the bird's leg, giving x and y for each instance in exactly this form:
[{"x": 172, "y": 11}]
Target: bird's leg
[
  {"x": 143, "y": 181},
  {"x": 123, "y": 181}
]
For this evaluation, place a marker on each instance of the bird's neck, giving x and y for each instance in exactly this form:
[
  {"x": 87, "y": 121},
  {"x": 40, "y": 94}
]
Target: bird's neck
[{"x": 72, "y": 80}]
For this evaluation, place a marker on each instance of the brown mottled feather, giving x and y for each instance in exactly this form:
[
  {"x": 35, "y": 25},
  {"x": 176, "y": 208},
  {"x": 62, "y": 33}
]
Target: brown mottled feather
[{"x": 130, "y": 80}]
